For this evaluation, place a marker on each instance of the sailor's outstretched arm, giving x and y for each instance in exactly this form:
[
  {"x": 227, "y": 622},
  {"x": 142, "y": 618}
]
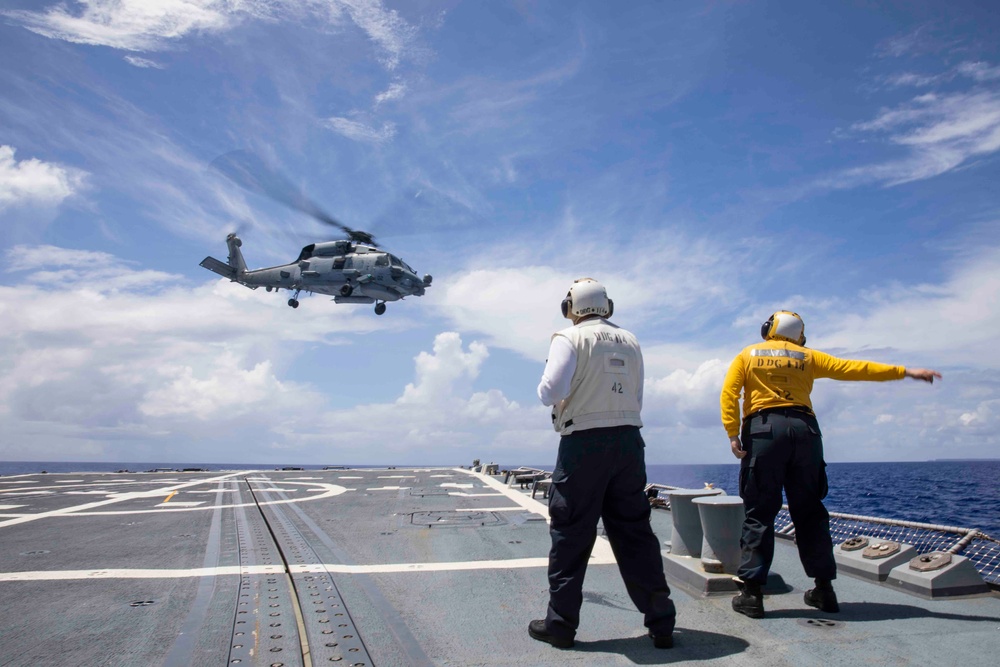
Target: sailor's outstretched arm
[{"x": 924, "y": 374}]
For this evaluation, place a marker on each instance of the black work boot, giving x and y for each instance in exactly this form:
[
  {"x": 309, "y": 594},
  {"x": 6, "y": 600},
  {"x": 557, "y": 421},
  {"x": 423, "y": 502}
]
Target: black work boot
[
  {"x": 822, "y": 597},
  {"x": 538, "y": 631},
  {"x": 750, "y": 601}
]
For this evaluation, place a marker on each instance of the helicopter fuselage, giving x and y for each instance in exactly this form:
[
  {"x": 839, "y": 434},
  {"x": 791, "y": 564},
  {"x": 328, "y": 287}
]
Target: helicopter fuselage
[{"x": 349, "y": 272}]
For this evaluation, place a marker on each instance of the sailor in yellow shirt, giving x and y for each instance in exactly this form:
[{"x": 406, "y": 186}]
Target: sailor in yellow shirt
[{"x": 780, "y": 446}]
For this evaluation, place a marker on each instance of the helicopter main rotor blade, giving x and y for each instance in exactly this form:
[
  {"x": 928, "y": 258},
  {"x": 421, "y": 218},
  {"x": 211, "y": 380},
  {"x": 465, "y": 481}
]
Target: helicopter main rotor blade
[{"x": 251, "y": 173}]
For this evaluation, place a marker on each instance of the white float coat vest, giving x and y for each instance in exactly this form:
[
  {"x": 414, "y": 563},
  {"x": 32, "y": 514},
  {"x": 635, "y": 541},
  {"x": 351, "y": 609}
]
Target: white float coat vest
[{"x": 607, "y": 383}]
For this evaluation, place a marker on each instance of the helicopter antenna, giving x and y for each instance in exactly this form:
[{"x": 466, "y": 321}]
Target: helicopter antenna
[{"x": 251, "y": 173}]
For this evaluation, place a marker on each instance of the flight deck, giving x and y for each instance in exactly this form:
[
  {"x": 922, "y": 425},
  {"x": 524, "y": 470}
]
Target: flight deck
[{"x": 391, "y": 568}]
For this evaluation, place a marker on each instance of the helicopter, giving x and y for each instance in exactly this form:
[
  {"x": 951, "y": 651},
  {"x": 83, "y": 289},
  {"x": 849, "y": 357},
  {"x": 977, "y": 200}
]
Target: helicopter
[
  {"x": 352, "y": 270},
  {"x": 349, "y": 270}
]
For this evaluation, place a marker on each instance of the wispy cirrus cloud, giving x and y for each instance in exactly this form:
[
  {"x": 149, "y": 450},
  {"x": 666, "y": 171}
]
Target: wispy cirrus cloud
[
  {"x": 130, "y": 25},
  {"x": 152, "y": 25},
  {"x": 358, "y": 131},
  {"x": 143, "y": 63},
  {"x": 937, "y": 132},
  {"x": 33, "y": 182}
]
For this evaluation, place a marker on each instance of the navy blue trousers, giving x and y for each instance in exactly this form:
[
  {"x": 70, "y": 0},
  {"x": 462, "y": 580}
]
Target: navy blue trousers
[
  {"x": 600, "y": 473},
  {"x": 785, "y": 451}
]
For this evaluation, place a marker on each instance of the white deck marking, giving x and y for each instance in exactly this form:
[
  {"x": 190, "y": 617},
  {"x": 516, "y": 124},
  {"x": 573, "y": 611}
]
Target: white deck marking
[
  {"x": 178, "y": 503},
  {"x": 117, "y": 499},
  {"x": 602, "y": 548},
  {"x": 11, "y": 507},
  {"x": 387, "y": 488},
  {"x": 453, "y": 566},
  {"x": 456, "y": 485},
  {"x": 395, "y": 476},
  {"x": 442, "y": 476},
  {"x": 235, "y": 570},
  {"x": 20, "y": 481},
  {"x": 472, "y": 495},
  {"x": 28, "y": 493},
  {"x": 490, "y": 509},
  {"x": 274, "y": 488},
  {"x": 350, "y": 478},
  {"x": 62, "y": 575},
  {"x": 329, "y": 490},
  {"x": 68, "y": 481}
]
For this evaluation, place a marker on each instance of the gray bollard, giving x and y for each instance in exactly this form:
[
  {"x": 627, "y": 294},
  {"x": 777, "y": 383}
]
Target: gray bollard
[
  {"x": 687, "y": 537},
  {"x": 722, "y": 523}
]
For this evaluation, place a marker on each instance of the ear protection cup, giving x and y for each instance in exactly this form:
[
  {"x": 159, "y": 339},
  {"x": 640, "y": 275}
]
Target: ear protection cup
[
  {"x": 765, "y": 328},
  {"x": 566, "y": 305},
  {"x": 611, "y": 309}
]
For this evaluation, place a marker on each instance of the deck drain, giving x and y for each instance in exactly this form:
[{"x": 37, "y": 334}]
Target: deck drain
[
  {"x": 35, "y": 553},
  {"x": 823, "y": 623},
  {"x": 141, "y": 603}
]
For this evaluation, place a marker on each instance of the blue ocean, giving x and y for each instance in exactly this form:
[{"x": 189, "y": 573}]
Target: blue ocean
[{"x": 956, "y": 493}]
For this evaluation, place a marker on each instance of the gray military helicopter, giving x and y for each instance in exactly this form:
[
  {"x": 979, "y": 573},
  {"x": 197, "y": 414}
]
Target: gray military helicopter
[{"x": 353, "y": 270}]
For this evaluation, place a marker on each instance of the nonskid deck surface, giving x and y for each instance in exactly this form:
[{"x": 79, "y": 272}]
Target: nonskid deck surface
[{"x": 391, "y": 568}]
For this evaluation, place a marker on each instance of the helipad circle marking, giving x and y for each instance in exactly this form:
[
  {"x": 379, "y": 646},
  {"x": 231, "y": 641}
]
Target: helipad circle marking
[{"x": 329, "y": 491}]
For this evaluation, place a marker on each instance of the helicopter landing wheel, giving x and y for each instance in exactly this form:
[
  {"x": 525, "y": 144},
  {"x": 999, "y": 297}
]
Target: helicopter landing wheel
[
  {"x": 379, "y": 308},
  {"x": 294, "y": 303},
  {"x": 346, "y": 290}
]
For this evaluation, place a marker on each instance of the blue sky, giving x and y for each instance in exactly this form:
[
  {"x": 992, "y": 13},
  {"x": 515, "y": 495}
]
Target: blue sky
[{"x": 709, "y": 163}]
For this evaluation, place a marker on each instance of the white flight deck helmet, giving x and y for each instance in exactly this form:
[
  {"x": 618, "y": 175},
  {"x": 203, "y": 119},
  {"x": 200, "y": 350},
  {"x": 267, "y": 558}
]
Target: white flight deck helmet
[
  {"x": 784, "y": 325},
  {"x": 587, "y": 297}
]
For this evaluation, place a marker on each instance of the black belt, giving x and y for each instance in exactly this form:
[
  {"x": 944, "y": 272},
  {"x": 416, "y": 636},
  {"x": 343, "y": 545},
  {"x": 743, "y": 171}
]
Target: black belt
[{"x": 788, "y": 411}]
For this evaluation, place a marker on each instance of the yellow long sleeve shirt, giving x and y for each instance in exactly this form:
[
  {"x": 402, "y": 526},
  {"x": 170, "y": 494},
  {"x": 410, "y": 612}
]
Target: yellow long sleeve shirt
[{"x": 778, "y": 374}]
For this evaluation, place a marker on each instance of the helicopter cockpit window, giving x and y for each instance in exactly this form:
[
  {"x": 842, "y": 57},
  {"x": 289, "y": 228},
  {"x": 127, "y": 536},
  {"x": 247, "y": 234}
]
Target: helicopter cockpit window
[
  {"x": 382, "y": 260},
  {"x": 397, "y": 262}
]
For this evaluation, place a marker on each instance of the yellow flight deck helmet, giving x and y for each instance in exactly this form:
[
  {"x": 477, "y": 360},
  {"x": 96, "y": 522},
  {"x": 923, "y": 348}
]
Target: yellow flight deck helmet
[{"x": 784, "y": 325}]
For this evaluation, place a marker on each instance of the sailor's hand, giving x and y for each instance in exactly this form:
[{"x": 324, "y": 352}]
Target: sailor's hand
[
  {"x": 922, "y": 374},
  {"x": 734, "y": 444}
]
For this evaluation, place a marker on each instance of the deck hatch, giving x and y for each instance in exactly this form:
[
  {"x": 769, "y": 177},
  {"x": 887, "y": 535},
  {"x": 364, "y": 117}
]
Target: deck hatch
[
  {"x": 429, "y": 491},
  {"x": 452, "y": 519}
]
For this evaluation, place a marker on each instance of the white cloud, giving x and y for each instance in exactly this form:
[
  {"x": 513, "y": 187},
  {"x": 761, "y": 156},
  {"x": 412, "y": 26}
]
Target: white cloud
[
  {"x": 938, "y": 132},
  {"x": 143, "y": 62},
  {"x": 151, "y": 25},
  {"x": 225, "y": 386},
  {"x": 352, "y": 129},
  {"x": 131, "y": 25},
  {"x": 438, "y": 373},
  {"x": 104, "y": 359},
  {"x": 953, "y": 323},
  {"x": 394, "y": 92},
  {"x": 689, "y": 398},
  {"x": 515, "y": 303},
  {"x": 33, "y": 182},
  {"x": 383, "y": 26},
  {"x": 119, "y": 363},
  {"x": 980, "y": 71}
]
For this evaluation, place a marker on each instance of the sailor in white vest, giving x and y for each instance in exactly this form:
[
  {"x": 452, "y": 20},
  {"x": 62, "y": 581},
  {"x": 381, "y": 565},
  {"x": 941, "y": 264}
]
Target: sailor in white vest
[{"x": 593, "y": 381}]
